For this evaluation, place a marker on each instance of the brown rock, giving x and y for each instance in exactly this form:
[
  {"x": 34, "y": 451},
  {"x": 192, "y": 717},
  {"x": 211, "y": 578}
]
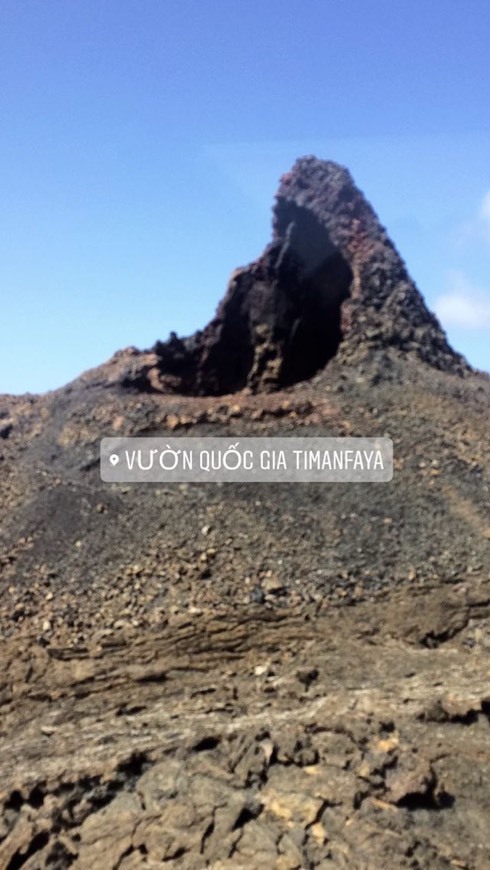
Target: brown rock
[{"x": 331, "y": 280}]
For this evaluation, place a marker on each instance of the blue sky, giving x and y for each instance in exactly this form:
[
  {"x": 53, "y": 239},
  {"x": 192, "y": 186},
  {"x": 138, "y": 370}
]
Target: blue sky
[{"x": 142, "y": 143}]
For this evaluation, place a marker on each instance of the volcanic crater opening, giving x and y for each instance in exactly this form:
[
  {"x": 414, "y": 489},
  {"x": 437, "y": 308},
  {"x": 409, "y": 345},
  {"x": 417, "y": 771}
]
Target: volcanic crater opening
[
  {"x": 319, "y": 282},
  {"x": 330, "y": 277},
  {"x": 280, "y": 321}
]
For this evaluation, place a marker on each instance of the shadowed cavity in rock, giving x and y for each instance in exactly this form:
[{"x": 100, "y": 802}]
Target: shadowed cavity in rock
[{"x": 331, "y": 281}]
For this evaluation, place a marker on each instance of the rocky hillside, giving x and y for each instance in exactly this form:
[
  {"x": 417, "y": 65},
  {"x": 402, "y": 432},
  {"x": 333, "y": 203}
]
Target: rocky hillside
[
  {"x": 250, "y": 675},
  {"x": 330, "y": 282}
]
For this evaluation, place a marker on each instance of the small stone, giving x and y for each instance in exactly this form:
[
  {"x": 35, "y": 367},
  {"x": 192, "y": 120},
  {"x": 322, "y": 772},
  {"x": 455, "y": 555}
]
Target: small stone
[
  {"x": 257, "y": 595},
  {"x": 120, "y": 623},
  {"x": 273, "y": 585},
  {"x": 5, "y": 429},
  {"x": 307, "y": 676}
]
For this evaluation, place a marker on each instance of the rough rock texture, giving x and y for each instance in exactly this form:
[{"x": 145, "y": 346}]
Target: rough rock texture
[
  {"x": 79, "y": 555},
  {"x": 250, "y": 676},
  {"x": 330, "y": 281},
  {"x": 254, "y": 740},
  {"x": 247, "y": 676}
]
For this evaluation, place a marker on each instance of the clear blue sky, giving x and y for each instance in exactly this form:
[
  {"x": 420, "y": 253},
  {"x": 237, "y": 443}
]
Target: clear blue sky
[{"x": 142, "y": 142}]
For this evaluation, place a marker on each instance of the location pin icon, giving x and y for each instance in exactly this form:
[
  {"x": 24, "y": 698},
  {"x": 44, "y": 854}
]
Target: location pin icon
[{"x": 114, "y": 459}]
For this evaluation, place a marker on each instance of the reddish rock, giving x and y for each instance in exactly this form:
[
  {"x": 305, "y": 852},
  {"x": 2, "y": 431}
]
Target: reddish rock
[{"x": 330, "y": 283}]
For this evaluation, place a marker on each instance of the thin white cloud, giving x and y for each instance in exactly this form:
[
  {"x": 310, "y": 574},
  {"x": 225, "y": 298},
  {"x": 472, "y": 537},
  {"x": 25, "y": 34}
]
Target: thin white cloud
[
  {"x": 484, "y": 215},
  {"x": 477, "y": 229},
  {"x": 485, "y": 207},
  {"x": 464, "y": 305}
]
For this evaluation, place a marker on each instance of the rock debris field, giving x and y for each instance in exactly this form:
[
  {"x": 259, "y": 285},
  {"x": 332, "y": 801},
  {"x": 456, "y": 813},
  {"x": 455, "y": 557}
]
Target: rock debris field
[{"x": 255, "y": 675}]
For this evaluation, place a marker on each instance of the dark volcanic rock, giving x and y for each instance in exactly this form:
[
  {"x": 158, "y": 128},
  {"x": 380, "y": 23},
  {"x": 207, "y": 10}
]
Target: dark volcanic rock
[
  {"x": 331, "y": 281},
  {"x": 254, "y": 676}
]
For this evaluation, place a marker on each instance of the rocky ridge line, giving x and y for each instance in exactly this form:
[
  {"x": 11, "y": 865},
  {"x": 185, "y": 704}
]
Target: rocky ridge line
[{"x": 330, "y": 284}]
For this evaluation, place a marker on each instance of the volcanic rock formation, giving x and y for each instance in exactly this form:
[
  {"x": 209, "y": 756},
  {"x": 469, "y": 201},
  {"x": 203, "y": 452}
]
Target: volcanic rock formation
[
  {"x": 330, "y": 282},
  {"x": 255, "y": 675}
]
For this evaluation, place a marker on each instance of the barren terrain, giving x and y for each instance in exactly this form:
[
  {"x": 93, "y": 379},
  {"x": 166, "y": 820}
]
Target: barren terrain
[{"x": 255, "y": 675}]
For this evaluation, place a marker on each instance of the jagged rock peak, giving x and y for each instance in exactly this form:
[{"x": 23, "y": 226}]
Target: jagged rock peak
[{"x": 330, "y": 283}]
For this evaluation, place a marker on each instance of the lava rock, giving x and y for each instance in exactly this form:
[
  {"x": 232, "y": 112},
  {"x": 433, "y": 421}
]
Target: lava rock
[{"x": 330, "y": 282}]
